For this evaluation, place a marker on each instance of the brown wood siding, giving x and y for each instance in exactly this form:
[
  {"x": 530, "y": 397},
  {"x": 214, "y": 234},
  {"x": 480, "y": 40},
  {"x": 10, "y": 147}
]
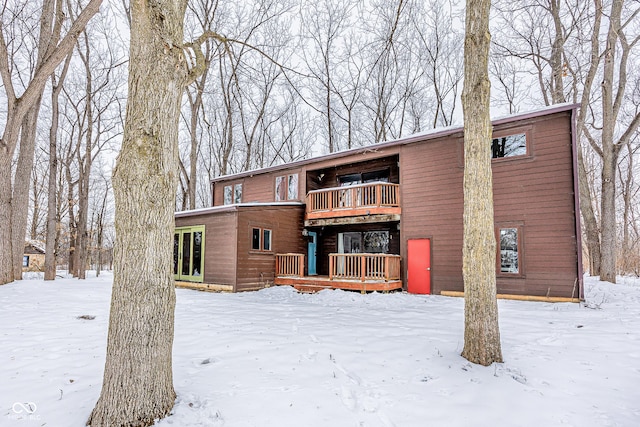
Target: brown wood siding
[
  {"x": 256, "y": 269},
  {"x": 535, "y": 191},
  {"x": 220, "y": 245},
  {"x": 258, "y": 188}
]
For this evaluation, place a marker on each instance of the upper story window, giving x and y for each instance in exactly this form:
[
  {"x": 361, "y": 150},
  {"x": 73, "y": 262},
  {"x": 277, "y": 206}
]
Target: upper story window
[
  {"x": 286, "y": 187},
  {"x": 232, "y": 194},
  {"x": 509, "y": 146}
]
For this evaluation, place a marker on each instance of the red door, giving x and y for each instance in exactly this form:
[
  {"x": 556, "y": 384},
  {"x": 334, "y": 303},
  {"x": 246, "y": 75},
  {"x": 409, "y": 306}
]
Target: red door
[{"x": 419, "y": 270}]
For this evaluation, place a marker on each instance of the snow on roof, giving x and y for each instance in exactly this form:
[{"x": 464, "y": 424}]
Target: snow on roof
[
  {"x": 37, "y": 244},
  {"x": 409, "y": 139},
  {"x": 233, "y": 207}
]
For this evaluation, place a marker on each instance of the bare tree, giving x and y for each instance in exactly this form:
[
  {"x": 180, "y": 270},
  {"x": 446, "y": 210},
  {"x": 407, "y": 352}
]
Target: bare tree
[
  {"x": 53, "y": 218},
  {"x": 481, "y": 328},
  {"x": 138, "y": 386},
  {"x": 22, "y": 113}
]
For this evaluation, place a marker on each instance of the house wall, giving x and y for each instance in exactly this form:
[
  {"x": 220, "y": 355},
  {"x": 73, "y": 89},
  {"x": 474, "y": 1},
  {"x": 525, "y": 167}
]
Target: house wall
[
  {"x": 220, "y": 236},
  {"x": 256, "y": 269},
  {"x": 36, "y": 261},
  {"x": 257, "y": 188},
  {"x": 534, "y": 192}
]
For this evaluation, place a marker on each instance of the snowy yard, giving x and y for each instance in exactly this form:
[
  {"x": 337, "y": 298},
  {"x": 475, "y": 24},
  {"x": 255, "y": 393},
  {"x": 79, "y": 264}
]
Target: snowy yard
[{"x": 279, "y": 358}]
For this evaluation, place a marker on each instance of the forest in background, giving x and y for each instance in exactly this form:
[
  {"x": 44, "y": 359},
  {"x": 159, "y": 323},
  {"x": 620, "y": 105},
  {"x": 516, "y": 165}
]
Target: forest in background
[{"x": 290, "y": 79}]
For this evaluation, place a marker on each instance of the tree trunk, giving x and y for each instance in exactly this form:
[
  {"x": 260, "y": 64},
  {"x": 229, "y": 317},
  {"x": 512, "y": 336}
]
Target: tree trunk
[
  {"x": 609, "y": 150},
  {"x": 138, "y": 385},
  {"x": 589, "y": 218},
  {"x": 6, "y": 260},
  {"x": 50, "y": 259},
  {"x": 482, "y": 333},
  {"x": 21, "y": 182}
]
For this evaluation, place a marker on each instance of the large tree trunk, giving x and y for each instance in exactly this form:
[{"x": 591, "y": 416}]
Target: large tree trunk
[
  {"x": 610, "y": 149},
  {"x": 6, "y": 260},
  {"x": 138, "y": 385},
  {"x": 21, "y": 182},
  {"x": 481, "y": 332},
  {"x": 50, "y": 258}
]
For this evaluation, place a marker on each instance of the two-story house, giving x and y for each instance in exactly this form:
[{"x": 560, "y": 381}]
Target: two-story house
[{"x": 389, "y": 216}]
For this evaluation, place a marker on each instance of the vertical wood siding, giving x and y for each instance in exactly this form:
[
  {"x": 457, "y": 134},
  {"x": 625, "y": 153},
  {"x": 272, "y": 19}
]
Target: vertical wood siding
[
  {"x": 256, "y": 269},
  {"x": 220, "y": 245},
  {"x": 535, "y": 191}
]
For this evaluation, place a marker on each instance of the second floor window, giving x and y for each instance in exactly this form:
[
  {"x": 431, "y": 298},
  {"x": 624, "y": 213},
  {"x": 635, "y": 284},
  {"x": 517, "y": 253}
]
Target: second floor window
[
  {"x": 232, "y": 194},
  {"x": 509, "y": 146},
  {"x": 286, "y": 187}
]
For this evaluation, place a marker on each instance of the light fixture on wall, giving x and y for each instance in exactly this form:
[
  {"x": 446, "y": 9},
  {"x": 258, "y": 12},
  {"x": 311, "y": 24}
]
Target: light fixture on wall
[
  {"x": 320, "y": 177},
  {"x": 305, "y": 232}
]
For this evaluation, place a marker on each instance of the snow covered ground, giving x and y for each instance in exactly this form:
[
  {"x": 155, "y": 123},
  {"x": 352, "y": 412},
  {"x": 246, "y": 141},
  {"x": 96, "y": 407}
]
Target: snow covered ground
[{"x": 279, "y": 358}]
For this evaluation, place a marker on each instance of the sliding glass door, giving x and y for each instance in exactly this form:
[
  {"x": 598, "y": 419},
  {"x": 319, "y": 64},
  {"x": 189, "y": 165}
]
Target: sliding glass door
[{"x": 188, "y": 253}]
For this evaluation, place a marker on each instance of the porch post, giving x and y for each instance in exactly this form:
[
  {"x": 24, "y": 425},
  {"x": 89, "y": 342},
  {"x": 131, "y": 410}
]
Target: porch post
[
  {"x": 330, "y": 267},
  {"x": 301, "y": 265}
]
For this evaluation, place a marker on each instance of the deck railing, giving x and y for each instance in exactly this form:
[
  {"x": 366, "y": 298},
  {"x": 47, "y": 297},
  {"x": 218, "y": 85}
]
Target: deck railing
[
  {"x": 290, "y": 265},
  {"x": 364, "y": 267},
  {"x": 362, "y": 196}
]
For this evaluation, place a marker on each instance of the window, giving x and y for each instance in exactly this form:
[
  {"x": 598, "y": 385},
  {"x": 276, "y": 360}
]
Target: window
[
  {"x": 25, "y": 260},
  {"x": 281, "y": 189},
  {"x": 509, "y": 146},
  {"x": 292, "y": 192},
  {"x": 232, "y": 194},
  {"x": 237, "y": 193},
  {"x": 286, "y": 187},
  {"x": 266, "y": 240},
  {"x": 255, "y": 239},
  {"x": 509, "y": 241},
  {"x": 260, "y": 239},
  {"x": 228, "y": 196}
]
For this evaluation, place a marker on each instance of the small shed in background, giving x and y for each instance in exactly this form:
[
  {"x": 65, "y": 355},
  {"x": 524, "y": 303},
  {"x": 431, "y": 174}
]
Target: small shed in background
[{"x": 33, "y": 257}]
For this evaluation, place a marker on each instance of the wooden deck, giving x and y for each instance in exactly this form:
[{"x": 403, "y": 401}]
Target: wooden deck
[
  {"x": 318, "y": 283},
  {"x": 356, "y": 272},
  {"x": 379, "y": 198}
]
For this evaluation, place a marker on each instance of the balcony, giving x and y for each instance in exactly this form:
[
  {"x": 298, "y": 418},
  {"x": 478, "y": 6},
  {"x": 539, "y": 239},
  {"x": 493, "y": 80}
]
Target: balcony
[
  {"x": 358, "y": 272},
  {"x": 371, "y": 202}
]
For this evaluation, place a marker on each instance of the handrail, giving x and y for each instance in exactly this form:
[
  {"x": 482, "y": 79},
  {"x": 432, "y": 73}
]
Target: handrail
[
  {"x": 364, "y": 266},
  {"x": 369, "y": 195},
  {"x": 290, "y": 265}
]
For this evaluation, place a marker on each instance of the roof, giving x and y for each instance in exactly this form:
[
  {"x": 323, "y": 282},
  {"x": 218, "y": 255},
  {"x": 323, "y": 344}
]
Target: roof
[
  {"x": 36, "y": 244},
  {"x": 234, "y": 208},
  {"x": 410, "y": 139}
]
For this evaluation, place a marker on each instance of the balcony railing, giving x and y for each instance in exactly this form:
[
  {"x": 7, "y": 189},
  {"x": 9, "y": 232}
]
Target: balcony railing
[
  {"x": 361, "y": 199},
  {"x": 364, "y": 267},
  {"x": 290, "y": 265}
]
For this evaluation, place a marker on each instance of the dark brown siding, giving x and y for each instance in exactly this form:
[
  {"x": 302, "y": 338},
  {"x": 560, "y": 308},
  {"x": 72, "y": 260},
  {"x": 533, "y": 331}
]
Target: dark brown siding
[
  {"x": 538, "y": 192},
  {"x": 432, "y": 204},
  {"x": 256, "y": 269},
  {"x": 535, "y": 192},
  {"x": 220, "y": 245},
  {"x": 258, "y": 188}
]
